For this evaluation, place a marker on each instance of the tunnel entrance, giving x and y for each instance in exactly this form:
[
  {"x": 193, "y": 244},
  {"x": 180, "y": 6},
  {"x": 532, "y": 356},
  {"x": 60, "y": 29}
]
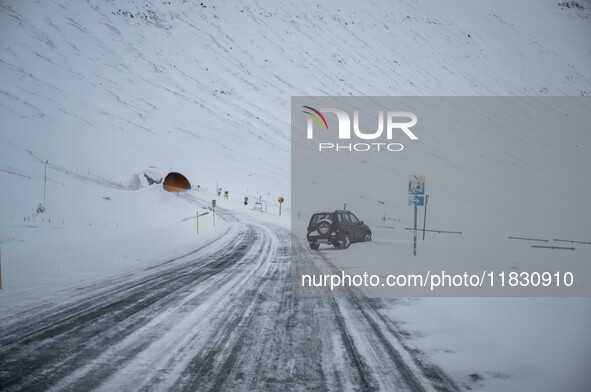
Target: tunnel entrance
[{"x": 176, "y": 182}]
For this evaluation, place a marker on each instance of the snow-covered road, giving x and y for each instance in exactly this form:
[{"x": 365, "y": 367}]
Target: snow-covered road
[{"x": 220, "y": 318}]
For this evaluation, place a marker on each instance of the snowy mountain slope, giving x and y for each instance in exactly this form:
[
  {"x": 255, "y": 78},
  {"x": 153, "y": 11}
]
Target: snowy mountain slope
[{"x": 206, "y": 86}]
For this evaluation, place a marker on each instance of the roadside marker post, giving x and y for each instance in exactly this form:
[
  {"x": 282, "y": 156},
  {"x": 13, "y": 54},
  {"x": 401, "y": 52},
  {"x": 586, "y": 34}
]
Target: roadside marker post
[
  {"x": 197, "y": 218},
  {"x": 280, "y": 200},
  {"x": 213, "y": 210}
]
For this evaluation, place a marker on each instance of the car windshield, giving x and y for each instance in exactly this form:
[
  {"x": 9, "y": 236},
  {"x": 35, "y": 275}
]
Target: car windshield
[{"x": 316, "y": 218}]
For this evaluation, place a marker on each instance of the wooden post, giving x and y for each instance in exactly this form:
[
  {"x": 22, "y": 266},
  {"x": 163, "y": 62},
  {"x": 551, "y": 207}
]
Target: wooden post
[
  {"x": 197, "y": 218},
  {"x": 213, "y": 218}
]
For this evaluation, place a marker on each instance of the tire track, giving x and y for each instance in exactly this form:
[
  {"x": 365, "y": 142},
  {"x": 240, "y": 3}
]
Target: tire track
[
  {"x": 39, "y": 351},
  {"x": 418, "y": 374}
]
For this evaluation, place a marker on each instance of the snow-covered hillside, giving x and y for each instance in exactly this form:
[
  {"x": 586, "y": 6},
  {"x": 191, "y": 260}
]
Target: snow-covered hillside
[
  {"x": 113, "y": 87},
  {"x": 101, "y": 92}
]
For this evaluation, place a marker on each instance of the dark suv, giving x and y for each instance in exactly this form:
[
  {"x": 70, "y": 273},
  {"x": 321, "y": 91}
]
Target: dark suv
[{"x": 338, "y": 228}]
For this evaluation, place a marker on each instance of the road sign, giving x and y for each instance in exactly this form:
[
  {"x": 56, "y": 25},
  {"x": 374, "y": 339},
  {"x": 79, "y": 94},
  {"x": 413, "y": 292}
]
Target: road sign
[
  {"x": 246, "y": 199},
  {"x": 416, "y": 185},
  {"x": 280, "y": 200},
  {"x": 416, "y": 200},
  {"x": 245, "y": 203}
]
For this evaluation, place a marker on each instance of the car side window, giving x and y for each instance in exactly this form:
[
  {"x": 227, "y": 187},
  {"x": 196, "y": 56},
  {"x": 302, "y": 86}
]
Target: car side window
[
  {"x": 345, "y": 218},
  {"x": 353, "y": 218}
]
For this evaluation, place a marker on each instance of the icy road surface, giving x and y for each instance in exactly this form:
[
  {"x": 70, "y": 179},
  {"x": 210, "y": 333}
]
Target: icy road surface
[{"x": 220, "y": 318}]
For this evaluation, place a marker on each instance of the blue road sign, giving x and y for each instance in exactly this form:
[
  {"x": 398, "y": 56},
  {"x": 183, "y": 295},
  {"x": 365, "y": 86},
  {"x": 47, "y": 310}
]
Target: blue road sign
[
  {"x": 416, "y": 185},
  {"x": 416, "y": 200},
  {"x": 245, "y": 203}
]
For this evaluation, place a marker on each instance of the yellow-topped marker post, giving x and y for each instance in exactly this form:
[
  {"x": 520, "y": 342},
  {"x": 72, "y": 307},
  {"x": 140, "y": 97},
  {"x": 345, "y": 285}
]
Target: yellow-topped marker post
[{"x": 280, "y": 200}]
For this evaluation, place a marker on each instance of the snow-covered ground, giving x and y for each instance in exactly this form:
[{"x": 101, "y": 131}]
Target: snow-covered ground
[{"x": 106, "y": 91}]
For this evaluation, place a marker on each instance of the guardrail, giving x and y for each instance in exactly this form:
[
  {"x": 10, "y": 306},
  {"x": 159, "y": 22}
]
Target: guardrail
[
  {"x": 528, "y": 239},
  {"x": 435, "y": 231},
  {"x": 552, "y": 247}
]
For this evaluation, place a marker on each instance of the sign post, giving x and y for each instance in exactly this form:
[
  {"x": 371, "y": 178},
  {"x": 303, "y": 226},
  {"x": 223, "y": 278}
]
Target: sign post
[
  {"x": 416, "y": 197},
  {"x": 280, "y": 200},
  {"x": 425, "y": 216},
  {"x": 414, "y": 243}
]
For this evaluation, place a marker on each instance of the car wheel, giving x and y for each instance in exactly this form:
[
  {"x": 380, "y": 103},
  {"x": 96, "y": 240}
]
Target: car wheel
[
  {"x": 314, "y": 245},
  {"x": 346, "y": 241},
  {"x": 367, "y": 237},
  {"x": 324, "y": 228}
]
